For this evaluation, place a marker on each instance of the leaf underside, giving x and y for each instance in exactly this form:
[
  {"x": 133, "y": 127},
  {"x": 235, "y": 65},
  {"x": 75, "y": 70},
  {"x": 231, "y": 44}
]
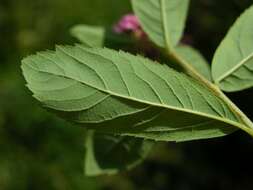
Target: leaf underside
[
  {"x": 232, "y": 66},
  {"x": 103, "y": 151},
  {"x": 116, "y": 92},
  {"x": 109, "y": 154},
  {"x": 162, "y": 20},
  {"x": 193, "y": 57}
]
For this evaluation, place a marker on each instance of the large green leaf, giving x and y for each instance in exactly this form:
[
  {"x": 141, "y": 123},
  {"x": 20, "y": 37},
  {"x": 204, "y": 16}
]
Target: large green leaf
[
  {"x": 98, "y": 36},
  {"x": 162, "y": 20},
  {"x": 193, "y": 57},
  {"x": 232, "y": 66},
  {"x": 104, "y": 152},
  {"x": 109, "y": 154},
  {"x": 117, "y": 92}
]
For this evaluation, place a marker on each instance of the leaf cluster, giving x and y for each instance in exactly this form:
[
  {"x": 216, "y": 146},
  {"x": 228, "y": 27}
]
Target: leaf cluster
[{"x": 126, "y": 100}]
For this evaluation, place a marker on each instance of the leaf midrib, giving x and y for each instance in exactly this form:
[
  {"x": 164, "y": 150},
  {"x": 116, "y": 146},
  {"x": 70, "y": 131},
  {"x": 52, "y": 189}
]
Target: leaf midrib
[{"x": 225, "y": 120}]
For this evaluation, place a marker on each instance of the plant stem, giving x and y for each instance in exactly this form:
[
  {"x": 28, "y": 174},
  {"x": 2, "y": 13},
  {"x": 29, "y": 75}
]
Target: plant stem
[{"x": 195, "y": 74}]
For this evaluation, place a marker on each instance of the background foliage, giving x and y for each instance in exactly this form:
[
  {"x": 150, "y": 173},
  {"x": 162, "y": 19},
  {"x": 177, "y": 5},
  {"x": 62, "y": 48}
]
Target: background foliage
[{"x": 39, "y": 151}]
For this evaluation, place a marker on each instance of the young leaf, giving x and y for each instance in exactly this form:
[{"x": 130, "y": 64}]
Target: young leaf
[
  {"x": 117, "y": 92},
  {"x": 109, "y": 154},
  {"x": 232, "y": 66},
  {"x": 193, "y": 57},
  {"x": 92, "y": 36},
  {"x": 97, "y": 36},
  {"x": 162, "y": 20}
]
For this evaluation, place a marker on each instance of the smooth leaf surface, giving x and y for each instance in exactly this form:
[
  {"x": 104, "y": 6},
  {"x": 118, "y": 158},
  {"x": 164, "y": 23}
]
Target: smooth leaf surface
[
  {"x": 162, "y": 20},
  {"x": 98, "y": 36},
  {"x": 232, "y": 66},
  {"x": 193, "y": 57},
  {"x": 109, "y": 154},
  {"x": 92, "y": 36},
  {"x": 119, "y": 93}
]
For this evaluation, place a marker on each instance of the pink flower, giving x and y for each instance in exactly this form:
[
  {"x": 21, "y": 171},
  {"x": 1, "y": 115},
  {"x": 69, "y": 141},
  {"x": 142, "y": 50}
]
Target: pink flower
[{"x": 129, "y": 23}]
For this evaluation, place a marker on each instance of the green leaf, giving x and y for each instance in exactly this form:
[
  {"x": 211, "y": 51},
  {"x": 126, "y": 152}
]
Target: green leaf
[
  {"x": 104, "y": 151},
  {"x": 232, "y": 66},
  {"x": 109, "y": 154},
  {"x": 118, "y": 93},
  {"x": 193, "y": 57},
  {"x": 97, "y": 36},
  {"x": 92, "y": 36},
  {"x": 162, "y": 20}
]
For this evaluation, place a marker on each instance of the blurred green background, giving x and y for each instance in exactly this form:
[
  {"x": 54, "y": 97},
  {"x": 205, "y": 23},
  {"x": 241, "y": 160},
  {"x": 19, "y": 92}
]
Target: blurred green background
[{"x": 39, "y": 151}]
